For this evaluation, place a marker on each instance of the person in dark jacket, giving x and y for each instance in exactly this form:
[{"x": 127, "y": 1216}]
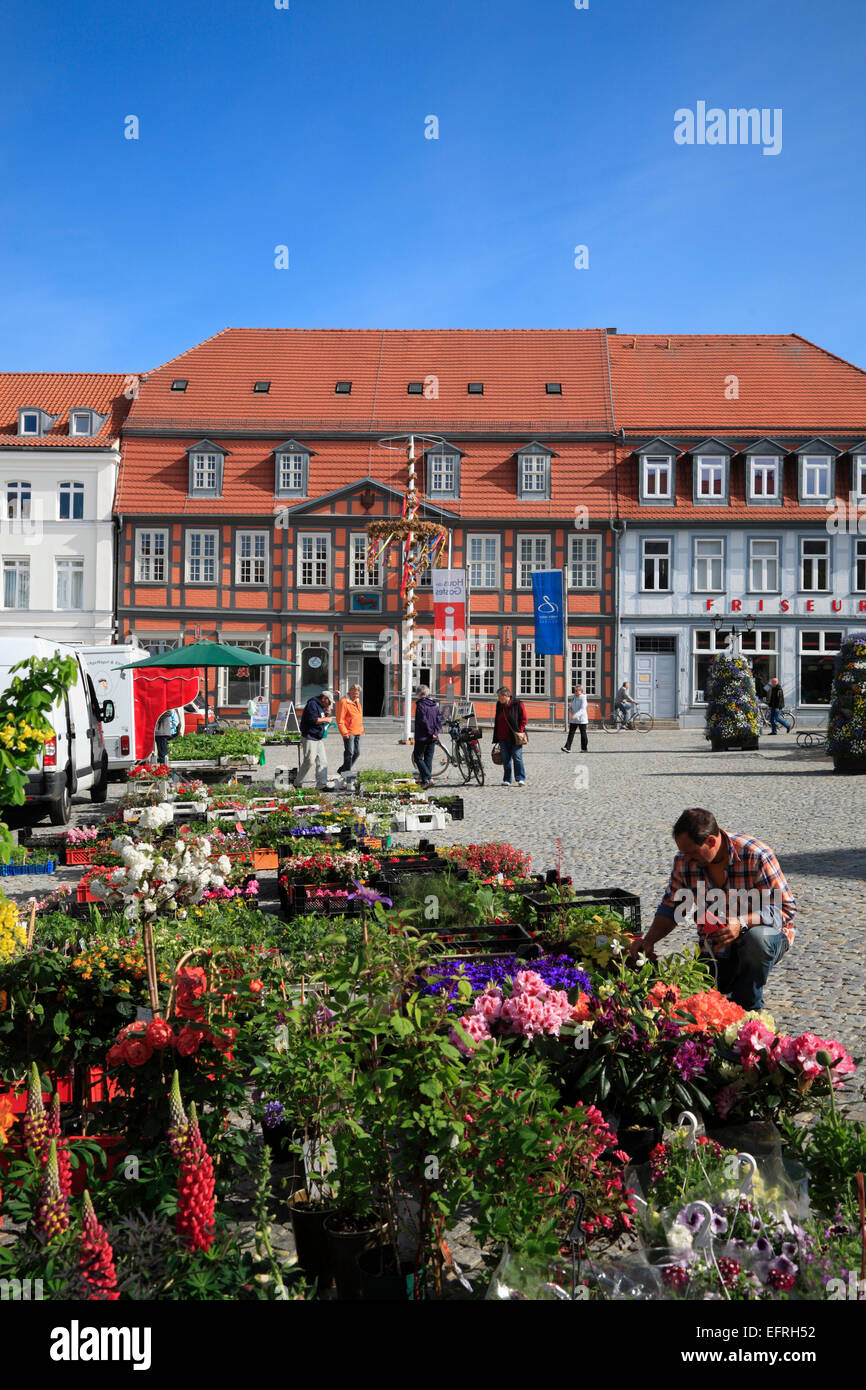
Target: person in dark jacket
[
  {"x": 317, "y": 713},
  {"x": 509, "y": 721},
  {"x": 776, "y": 702},
  {"x": 428, "y": 722}
]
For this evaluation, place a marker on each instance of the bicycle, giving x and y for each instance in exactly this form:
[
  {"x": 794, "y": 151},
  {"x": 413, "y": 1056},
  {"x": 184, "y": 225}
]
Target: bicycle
[
  {"x": 637, "y": 720},
  {"x": 786, "y": 716},
  {"x": 465, "y": 754}
]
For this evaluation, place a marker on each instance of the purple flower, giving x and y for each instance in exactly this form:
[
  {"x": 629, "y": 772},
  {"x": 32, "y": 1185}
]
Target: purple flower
[
  {"x": 368, "y": 895},
  {"x": 274, "y": 1114},
  {"x": 690, "y": 1058},
  {"x": 691, "y": 1217},
  {"x": 763, "y": 1248},
  {"x": 558, "y": 972}
]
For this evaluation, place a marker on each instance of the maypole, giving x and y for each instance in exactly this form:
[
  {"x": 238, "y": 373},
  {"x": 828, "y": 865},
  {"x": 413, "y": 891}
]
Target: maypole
[{"x": 422, "y": 545}]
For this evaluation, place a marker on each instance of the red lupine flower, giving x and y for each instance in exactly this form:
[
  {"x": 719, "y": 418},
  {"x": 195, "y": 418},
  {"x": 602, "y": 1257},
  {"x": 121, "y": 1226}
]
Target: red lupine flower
[
  {"x": 195, "y": 1189},
  {"x": 96, "y": 1257}
]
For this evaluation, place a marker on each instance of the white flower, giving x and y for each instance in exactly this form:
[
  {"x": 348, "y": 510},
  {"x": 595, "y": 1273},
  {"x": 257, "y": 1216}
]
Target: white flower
[
  {"x": 640, "y": 959},
  {"x": 224, "y": 865},
  {"x": 679, "y": 1238},
  {"x": 149, "y": 906},
  {"x": 616, "y": 948}
]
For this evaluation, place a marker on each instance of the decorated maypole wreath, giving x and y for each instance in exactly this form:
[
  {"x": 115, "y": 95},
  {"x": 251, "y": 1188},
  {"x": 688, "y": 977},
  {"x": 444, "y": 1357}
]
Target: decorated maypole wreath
[{"x": 422, "y": 544}]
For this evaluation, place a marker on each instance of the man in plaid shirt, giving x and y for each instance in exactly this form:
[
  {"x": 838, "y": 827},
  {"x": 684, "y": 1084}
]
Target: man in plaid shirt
[{"x": 743, "y": 908}]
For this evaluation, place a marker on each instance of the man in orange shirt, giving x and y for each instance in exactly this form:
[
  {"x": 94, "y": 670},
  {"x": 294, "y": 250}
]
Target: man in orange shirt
[{"x": 351, "y": 726}]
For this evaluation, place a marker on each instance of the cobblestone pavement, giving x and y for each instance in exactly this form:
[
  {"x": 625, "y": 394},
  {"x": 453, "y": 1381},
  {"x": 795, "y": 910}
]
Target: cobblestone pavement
[{"x": 612, "y": 810}]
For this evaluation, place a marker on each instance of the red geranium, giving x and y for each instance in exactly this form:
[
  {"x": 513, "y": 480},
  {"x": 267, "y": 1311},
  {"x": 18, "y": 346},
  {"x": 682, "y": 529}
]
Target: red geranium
[
  {"x": 159, "y": 1034},
  {"x": 191, "y": 983},
  {"x": 189, "y": 1040},
  {"x": 137, "y": 1051}
]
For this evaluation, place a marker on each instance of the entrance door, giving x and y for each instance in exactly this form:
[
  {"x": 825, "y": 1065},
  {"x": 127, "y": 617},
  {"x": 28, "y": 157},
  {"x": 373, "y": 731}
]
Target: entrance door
[
  {"x": 665, "y": 686},
  {"x": 644, "y": 683},
  {"x": 373, "y": 687}
]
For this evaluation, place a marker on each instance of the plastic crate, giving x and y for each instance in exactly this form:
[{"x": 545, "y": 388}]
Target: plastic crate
[
  {"x": 16, "y": 870},
  {"x": 81, "y": 854},
  {"x": 452, "y": 804},
  {"x": 413, "y": 821},
  {"x": 301, "y": 901},
  {"x": 489, "y": 941},
  {"x": 627, "y": 904}
]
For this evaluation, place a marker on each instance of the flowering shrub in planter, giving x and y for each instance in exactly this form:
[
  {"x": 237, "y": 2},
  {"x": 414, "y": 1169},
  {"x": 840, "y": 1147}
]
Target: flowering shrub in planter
[
  {"x": 846, "y": 731},
  {"x": 529, "y": 1008},
  {"x": 769, "y": 1073},
  {"x": 153, "y": 881},
  {"x": 332, "y": 867},
  {"x": 149, "y": 772},
  {"x": 732, "y": 703}
]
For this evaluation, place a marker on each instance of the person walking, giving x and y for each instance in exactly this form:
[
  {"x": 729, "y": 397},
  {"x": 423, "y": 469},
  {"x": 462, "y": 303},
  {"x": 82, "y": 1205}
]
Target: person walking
[
  {"x": 578, "y": 718},
  {"x": 509, "y": 731},
  {"x": 776, "y": 703},
  {"x": 751, "y": 925},
  {"x": 316, "y": 715},
  {"x": 428, "y": 722},
  {"x": 623, "y": 705},
  {"x": 166, "y": 728},
  {"x": 350, "y": 722}
]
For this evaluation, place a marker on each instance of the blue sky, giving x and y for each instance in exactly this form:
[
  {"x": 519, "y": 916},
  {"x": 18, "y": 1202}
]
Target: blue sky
[{"x": 306, "y": 127}]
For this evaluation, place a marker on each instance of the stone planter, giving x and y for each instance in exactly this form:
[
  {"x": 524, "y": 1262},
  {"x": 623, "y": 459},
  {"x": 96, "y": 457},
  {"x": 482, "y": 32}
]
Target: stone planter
[
  {"x": 747, "y": 742},
  {"x": 849, "y": 766}
]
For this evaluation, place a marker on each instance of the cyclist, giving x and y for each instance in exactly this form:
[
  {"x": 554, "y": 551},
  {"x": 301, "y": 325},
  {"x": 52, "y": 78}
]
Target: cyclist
[{"x": 621, "y": 705}]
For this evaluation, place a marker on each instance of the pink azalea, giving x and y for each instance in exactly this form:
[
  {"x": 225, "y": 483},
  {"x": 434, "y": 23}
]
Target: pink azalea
[
  {"x": 489, "y": 1004},
  {"x": 470, "y": 1029},
  {"x": 753, "y": 1039},
  {"x": 528, "y": 982}
]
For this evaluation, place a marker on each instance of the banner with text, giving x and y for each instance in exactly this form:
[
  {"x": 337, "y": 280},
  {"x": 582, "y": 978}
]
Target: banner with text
[
  {"x": 449, "y": 609},
  {"x": 548, "y": 609}
]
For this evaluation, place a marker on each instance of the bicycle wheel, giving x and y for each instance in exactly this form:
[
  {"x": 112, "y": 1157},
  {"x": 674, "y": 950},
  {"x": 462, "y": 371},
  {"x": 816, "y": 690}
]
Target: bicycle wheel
[
  {"x": 643, "y": 722},
  {"x": 441, "y": 761},
  {"x": 610, "y": 726},
  {"x": 789, "y": 718},
  {"x": 476, "y": 763},
  {"x": 461, "y": 761}
]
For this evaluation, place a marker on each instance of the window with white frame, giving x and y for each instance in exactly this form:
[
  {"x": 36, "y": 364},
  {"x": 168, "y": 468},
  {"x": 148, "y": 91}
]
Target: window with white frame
[
  {"x": 29, "y": 422},
  {"x": 155, "y": 646},
  {"x": 425, "y": 578},
  {"x": 764, "y": 477},
  {"x": 706, "y": 644},
  {"x": 584, "y": 562},
  {"x": 201, "y": 557},
  {"x": 360, "y": 577},
  {"x": 816, "y": 477},
  {"x": 533, "y": 553},
  {"x": 483, "y": 665},
  {"x": 656, "y": 565},
  {"x": 314, "y": 560},
  {"x": 205, "y": 471},
  {"x": 252, "y": 557},
  {"x": 483, "y": 554},
  {"x": 860, "y": 475},
  {"x": 70, "y": 501},
  {"x": 239, "y": 684},
  {"x": 532, "y": 670},
  {"x": 817, "y": 654},
  {"x": 16, "y": 583},
  {"x": 709, "y": 565},
  {"x": 293, "y": 468},
  {"x": 860, "y": 566},
  {"x": 18, "y": 500},
  {"x": 585, "y": 663},
  {"x": 81, "y": 422},
  {"x": 423, "y": 660},
  {"x": 151, "y": 550},
  {"x": 764, "y": 566},
  {"x": 711, "y": 477},
  {"x": 442, "y": 473},
  {"x": 814, "y": 565},
  {"x": 760, "y": 647},
  {"x": 657, "y": 474},
  {"x": 70, "y": 583},
  {"x": 534, "y": 470}
]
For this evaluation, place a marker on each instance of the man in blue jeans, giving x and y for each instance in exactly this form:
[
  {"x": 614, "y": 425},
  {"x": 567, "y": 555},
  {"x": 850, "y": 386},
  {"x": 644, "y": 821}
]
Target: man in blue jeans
[
  {"x": 776, "y": 703},
  {"x": 743, "y": 907}
]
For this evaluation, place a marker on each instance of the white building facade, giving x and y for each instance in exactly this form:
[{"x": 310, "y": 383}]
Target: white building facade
[{"x": 59, "y": 459}]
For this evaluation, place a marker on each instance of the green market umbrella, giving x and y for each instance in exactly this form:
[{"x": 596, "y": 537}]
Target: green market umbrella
[{"x": 208, "y": 654}]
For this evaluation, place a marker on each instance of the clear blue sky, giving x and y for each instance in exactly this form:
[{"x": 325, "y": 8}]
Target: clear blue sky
[{"x": 305, "y": 127}]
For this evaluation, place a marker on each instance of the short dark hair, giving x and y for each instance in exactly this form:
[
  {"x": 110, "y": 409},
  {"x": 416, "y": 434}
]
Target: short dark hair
[{"x": 697, "y": 824}]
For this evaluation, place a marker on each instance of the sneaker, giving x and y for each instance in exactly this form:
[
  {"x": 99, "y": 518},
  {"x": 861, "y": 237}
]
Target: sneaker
[
  {"x": 521, "y": 784},
  {"x": 565, "y": 750},
  {"x": 506, "y": 784}
]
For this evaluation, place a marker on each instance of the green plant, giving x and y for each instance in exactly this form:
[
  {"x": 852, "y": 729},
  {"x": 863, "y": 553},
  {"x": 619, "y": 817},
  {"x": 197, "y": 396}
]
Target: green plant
[
  {"x": 234, "y": 743},
  {"x": 834, "y": 1151},
  {"x": 847, "y": 725}
]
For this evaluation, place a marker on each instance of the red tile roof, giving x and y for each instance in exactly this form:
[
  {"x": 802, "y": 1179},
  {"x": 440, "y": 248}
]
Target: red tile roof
[
  {"x": 304, "y": 365},
  {"x": 58, "y": 393},
  {"x": 669, "y": 384}
]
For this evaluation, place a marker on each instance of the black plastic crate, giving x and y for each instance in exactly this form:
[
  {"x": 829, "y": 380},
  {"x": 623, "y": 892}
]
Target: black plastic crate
[
  {"x": 493, "y": 939},
  {"x": 452, "y": 804},
  {"x": 627, "y": 904}
]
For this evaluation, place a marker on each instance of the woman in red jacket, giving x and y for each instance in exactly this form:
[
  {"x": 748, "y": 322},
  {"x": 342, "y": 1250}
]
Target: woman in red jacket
[{"x": 509, "y": 726}]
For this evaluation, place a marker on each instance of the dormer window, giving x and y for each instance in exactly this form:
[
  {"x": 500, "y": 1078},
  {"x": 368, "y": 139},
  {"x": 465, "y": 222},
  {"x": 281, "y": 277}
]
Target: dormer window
[
  {"x": 206, "y": 468},
  {"x": 858, "y": 471},
  {"x": 30, "y": 422},
  {"x": 82, "y": 422},
  {"x": 533, "y": 472},
  {"x": 343, "y": 388},
  {"x": 292, "y": 469},
  {"x": 763, "y": 473},
  {"x": 443, "y": 471},
  {"x": 656, "y": 472},
  {"x": 711, "y": 477},
  {"x": 816, "y": 472},
  {"x": 261, "y": 388}
]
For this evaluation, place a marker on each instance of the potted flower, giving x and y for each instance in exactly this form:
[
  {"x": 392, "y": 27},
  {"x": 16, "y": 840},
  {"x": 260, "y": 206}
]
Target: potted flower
[
  {"x": 846, "y": 733},
  {"x": 732, "y": 718}
]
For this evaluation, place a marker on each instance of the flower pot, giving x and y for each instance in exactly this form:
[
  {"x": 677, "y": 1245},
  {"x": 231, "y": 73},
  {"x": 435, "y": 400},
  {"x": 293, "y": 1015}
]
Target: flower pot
[
  {"x": 638, "y": 1141},
  {"x": 279, "y": 1139},
  {"x": 379, "y": 1282},
  {"x": 314, "y": 1256},
  {"x": 344, "y": 1248},
  {"x": 848, "y": 766}
]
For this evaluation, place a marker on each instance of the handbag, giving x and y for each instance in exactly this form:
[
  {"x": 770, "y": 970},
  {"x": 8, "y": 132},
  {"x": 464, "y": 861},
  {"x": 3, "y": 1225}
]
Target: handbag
[
  {"x": 496, "y": 755},
  {"x": 520, "y": 738}
]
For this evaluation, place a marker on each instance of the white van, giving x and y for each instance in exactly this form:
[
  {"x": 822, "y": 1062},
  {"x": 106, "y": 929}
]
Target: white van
[
  {"x": 118, "y": 686},
  {"x": 74, "y": 760}
]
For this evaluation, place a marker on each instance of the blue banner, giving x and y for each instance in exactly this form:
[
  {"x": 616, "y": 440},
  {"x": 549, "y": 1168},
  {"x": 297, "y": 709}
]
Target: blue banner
[{"x": 548, "y": 611}]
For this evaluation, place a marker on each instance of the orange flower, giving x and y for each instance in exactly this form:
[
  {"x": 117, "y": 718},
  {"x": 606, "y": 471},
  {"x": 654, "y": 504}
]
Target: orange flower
[{"x": 7, "y": 1119}]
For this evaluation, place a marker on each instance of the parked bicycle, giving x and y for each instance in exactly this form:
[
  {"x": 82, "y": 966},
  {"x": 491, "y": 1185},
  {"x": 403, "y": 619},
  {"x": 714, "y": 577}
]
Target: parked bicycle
[
  {"x": 464, "y": 753},
  {"x": 637, "y": 720},
  {"x": 786, "y": 716}
]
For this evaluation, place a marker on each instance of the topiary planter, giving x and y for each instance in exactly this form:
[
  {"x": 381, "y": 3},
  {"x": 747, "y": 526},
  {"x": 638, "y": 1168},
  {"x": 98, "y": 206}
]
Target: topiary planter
[
  {"x": 849, "y": 766},
  {"x": 748, "y": 743}
]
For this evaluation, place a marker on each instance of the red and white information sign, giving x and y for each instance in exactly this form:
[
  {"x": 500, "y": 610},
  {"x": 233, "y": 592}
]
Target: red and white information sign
[{"x": 449, "y": 609}]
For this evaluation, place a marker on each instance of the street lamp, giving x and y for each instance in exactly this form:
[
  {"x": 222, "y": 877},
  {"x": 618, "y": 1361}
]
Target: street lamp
[{"x": 748, "y": 624}]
